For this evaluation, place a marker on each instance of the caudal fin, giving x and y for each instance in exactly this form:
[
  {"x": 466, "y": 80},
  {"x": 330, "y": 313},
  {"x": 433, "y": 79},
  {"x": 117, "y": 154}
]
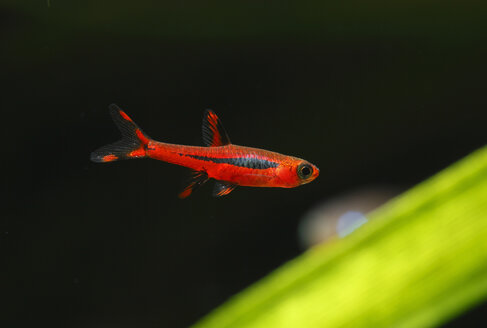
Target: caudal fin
[{"x": 132, "y": 145}]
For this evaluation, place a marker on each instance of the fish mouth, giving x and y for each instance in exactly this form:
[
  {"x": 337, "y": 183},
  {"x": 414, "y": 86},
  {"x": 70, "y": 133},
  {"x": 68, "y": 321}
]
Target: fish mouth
[{"x": 316, "y": 173}]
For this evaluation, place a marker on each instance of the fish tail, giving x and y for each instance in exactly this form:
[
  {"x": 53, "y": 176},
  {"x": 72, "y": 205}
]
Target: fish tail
[{"x": 132, "y": 145}]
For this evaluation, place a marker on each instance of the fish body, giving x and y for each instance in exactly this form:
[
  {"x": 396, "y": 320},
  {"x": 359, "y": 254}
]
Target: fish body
[{"x": 231, "y": 165}]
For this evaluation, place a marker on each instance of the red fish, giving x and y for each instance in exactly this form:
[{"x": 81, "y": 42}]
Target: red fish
[{"x": 229, "y": 164}]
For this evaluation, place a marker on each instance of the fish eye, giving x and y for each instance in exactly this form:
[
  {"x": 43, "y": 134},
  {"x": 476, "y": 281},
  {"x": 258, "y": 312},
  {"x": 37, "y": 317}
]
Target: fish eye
[{"x": 305, "y": 171}]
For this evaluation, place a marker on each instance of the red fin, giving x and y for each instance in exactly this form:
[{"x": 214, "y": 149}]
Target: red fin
[
  {"x": 122, "y": 113},
  {"x": 132, "y": 145},
  {"x": 109, "y": 158},
  {"x": 197, "y": 179},
  {"x": 223, "y": 188},
  {"x": 214, "y": 134}
]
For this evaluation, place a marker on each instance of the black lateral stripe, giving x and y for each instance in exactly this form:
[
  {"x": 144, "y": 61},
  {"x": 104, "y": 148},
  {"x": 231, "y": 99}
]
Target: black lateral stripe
[{"x": 248, "y": 162}]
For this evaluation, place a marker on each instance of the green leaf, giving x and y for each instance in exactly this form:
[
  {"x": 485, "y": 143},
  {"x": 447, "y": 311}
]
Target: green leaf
[{"x": 421, "y": 260}]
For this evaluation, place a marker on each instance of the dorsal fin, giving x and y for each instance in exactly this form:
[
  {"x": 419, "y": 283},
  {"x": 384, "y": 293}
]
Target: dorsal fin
[
  {"x": 214, "y": 134},
  {"x": 223, "y": 188}
]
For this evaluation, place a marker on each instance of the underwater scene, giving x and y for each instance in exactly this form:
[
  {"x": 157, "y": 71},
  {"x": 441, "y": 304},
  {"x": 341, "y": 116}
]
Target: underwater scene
[{"x": 243, "y": 164}]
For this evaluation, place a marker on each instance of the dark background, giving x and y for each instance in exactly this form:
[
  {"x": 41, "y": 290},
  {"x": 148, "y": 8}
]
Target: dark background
[{"x": 372, "y": 92}]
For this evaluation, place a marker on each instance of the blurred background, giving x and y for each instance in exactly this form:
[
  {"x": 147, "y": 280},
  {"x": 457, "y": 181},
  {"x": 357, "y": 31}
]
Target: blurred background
[{"x": 379, "y": 95}]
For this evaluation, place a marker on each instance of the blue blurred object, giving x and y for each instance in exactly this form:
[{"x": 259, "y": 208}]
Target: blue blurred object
[
  {"x": 350, "y": 221},
  {"x": 340, "y": 216}
]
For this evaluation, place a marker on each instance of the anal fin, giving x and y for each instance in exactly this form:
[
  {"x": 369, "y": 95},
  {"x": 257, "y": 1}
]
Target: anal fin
[
  {"x": 196, "y": 180},
  {"x": 223, "y": 188}
]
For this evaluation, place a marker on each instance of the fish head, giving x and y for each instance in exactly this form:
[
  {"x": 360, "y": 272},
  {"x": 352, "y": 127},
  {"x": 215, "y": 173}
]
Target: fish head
[{"x": 297, "y": 172}]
